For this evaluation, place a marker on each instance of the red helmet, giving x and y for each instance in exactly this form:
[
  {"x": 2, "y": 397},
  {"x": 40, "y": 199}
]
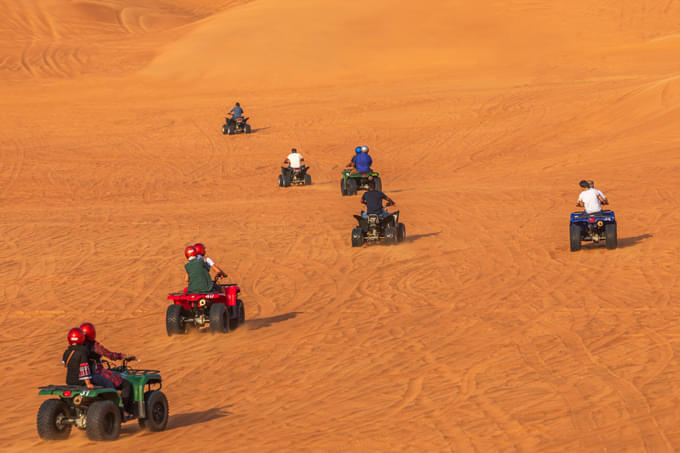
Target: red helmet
[
  {"x": 75, "y": 336},
  {"x": 200, "y": 248},
  {"x": 190, "y": 251},
  {"x": 88, "y": 330}
]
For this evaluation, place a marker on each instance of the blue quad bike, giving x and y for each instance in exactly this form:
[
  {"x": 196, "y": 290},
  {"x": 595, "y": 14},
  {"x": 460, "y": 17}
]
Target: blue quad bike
[{"x": 596, "y": 227}]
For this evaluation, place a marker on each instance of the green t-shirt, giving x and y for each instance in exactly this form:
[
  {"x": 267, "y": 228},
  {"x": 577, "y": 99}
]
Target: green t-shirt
[{"x": 199, "y": 276}]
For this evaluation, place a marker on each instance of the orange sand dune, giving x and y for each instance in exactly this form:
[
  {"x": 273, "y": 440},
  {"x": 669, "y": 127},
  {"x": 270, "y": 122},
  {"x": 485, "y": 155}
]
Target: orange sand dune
[{"x": 481, "y": 332}]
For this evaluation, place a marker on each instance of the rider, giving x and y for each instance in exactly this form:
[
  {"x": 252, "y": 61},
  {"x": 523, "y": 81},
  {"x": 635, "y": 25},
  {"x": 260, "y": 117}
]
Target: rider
[
  {"x": 590, "y": 198},
  {"x": 351, "y": 163},
  {"x": 198, "y": 272},
  {"x": 200, "y": 250},
  {"x": 76, "y": 360},
  {"x": 373, "y": 200},
  {"x": 103, "y": 376},
  {"x": 362, "y": 161},
  {"x": 236, "y": 112},
  {"x": 293, "y": 160}
]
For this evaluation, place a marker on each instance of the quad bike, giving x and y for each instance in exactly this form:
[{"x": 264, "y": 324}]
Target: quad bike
[
  {"x": 235, "y": 126},
  {"x": 375, "y": 228},
  {"x": 99, "y": 411},
  {"x": 595, "y": 227},
  {"x": 350, "y": 183},
  {"x": 294, "y": 177},
  {"x": 221, "y": 310}
]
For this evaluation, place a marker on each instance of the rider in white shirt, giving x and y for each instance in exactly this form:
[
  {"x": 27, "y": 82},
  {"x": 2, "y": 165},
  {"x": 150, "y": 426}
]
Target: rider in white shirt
[
  {"x": 293, "y": 160},
  {"x": 591, "y": 198}
]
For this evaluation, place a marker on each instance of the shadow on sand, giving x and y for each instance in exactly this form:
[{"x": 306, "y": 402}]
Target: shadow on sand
[
  {"x": 631, "y": 241},
  {"x": 258, "y": 129},
  {"x": 194, "y": 418},
  {"x": 415, "y": 237},
  {"x": 259, "y": 323}
]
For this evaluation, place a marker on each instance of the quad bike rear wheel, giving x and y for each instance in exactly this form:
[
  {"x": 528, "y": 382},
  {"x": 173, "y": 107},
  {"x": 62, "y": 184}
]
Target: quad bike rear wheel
[
  {"x": 401, "y": 232},
  {"x": 357, "y": 237},
  {"x": 390, "y": 235},
  {"x": 241, "y": 311},
  {"x": 103, "y": 421},
  {"x": 574, "y": 238},
  {"x": 50, "y": 416},
  {"x": 219, "y": 319},
  {"x": 308, "y": 179},
  {"x": 231, "y": 129},
  {"x": 343, "y": 187},
  {"x": 225, "y": 129},
  {"x": 246, "y": 128},
  {"x": 352, "y": 187},
  {"x": 174, "y": 323},
  {"x": 610, "y": 233},
  {"x": 156, "y": 411},
  {"x": 281, "y": 181},
  {"x": 286, "y": 180}
]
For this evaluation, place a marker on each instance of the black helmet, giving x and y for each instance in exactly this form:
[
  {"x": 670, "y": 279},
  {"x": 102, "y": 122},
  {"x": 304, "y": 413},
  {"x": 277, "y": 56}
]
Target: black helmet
[
  {"x": 293, "y": 150},
  {"x": 237, "y": 104},
  {"x": 584, "y": 184}
]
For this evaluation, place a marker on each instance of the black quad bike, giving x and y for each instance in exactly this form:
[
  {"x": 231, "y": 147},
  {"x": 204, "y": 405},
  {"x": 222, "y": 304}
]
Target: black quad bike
[
  {"x": 374, "y": 229},
  {"x": 294, "y": 177},
  {"x": 235, "y": 126}
]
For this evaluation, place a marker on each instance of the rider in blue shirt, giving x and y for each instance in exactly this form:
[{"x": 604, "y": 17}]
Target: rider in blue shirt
[
  {"x": 362, "y": 161},
  {"x": 236, "y": 112}
]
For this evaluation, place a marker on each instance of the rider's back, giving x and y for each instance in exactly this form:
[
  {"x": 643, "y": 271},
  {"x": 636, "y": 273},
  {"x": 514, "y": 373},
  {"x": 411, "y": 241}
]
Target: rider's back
[
  {"x": 199, "y": 277},
  {"x": 363, "y": 162}
]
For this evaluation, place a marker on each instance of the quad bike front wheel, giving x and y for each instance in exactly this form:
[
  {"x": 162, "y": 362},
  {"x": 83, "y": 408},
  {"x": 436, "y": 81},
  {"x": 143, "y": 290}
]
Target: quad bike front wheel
[
  {"x": 50, "y": 420},
  {"x": 156, "y": 411},
  {"x": 103, "y": 421},
  {"x": 219, "y": 319}
]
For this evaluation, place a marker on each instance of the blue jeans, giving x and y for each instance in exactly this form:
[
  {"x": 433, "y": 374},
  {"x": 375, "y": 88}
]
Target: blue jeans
[
  {"x": 364, "y": 214},
  {"x": 101, "y": 381}
]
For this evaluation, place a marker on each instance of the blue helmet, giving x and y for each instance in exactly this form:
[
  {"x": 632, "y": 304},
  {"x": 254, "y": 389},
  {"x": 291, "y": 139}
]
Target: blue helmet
[
  {"x": 364, "y": 149},
  {"x": 357, "y": 149}
]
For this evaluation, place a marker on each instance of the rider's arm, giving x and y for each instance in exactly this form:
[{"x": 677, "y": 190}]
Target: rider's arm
[
  {"x": 100, "y": 349},
  {"x": 218, "y": 270},
  {"x": 84, "y": 372},
  {"x": 389, "y": 200},
  {"x": 286, "y": 162}
]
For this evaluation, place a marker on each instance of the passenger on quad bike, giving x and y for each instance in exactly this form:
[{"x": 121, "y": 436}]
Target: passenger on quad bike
[
  {"x": 591, "y": 198},
  {"x": 200, "y": 249},
  {"x": 198, "y": 273},
  {"x": 362, "y": 161},
  {"x": 102, "y": 376},
  {"x": 76, "y": 360},
  {"x": 236, "y": 112},
  {"x": 373, "y": 200},
  {"x": 292, "y": 161}
]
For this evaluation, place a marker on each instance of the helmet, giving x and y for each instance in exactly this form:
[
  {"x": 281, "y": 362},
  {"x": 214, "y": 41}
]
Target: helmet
[
  {"x": 584, "y": 184},
  {"x": 190, "y": 250},
  {"x": 364, "y": 149},
  {"x": 238, "y": 105},
  {"x": 76, "y": 336},
  {"x": 200, "y": 248},
  {"x": 88, "y": 329},
  {"x": 293, "y": 150},
  {"x": 357, "y": 149}
]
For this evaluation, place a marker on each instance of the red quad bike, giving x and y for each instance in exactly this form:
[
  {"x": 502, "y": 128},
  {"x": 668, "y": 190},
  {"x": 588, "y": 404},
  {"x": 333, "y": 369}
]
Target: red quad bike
[{"x": 221, "y": 310}]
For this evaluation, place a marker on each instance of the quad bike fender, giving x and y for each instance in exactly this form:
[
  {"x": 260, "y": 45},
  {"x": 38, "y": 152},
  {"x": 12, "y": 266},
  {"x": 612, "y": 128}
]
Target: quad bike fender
[{"x": 232, "y": 292}]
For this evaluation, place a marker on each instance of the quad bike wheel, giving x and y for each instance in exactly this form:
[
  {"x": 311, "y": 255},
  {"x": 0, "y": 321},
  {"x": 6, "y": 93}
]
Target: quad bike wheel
[
  {"x": 219, "y": 319},
  {"x": 610, "y": 236},
  {"x": 174, "y": 324},
  {"x": 286, "y": 180},
  {"x": 103, "y": 421},
  {"x": 574, "y": 238},
  {"x": 241, "y": 311},
  {"x": 156, "y": 411},
  {"x": 225, "y": 129},
  {"x": 50, "y": 416},
  {"x": 281, "y": 181},
  {"x": 401, "y": 232},
  {"x": 231, "y": 129},
  {"x": 352, "y": 187},
  {"x": 343, "y": 187},
  {"x": 357, "y": 237},
  {"x": 247, "y": 129},
  {"x": 390, "y": 235},
  {"x": 308, "y": 179}
]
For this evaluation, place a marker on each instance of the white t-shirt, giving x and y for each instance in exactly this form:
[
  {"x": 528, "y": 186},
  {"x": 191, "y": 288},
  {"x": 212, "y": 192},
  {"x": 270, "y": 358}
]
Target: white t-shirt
[
  {"x": 207, "y": 260},
  {"x": 590, "y": 200},
  {"x": 294, "y": 159}
]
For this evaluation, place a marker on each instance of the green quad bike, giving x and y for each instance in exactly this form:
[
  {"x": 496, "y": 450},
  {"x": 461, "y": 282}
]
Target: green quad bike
[
  {"x": 99, "y": 411},
  {"x": 350, "y": 183}
]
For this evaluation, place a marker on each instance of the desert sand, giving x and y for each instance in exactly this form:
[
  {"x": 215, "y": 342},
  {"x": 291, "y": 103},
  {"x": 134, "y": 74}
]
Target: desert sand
[{"x": 482, "y": 332}]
